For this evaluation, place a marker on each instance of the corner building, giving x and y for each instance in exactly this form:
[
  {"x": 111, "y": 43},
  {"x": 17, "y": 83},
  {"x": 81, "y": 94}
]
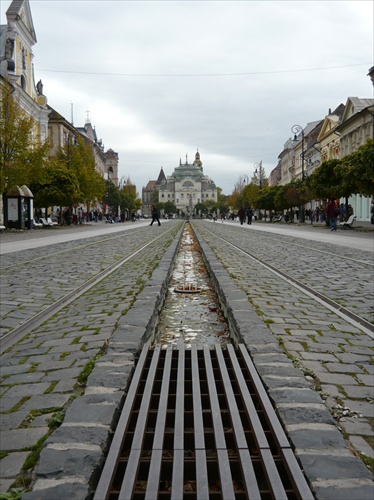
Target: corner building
[{"x": 188, "y": 186}]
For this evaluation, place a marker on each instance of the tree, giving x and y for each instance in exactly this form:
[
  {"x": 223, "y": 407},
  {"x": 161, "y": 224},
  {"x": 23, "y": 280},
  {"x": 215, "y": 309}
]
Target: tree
[
  {"x": 170, "y": 208},
  {"x": 201, "y": 208},
  {"x": 356, "y": 171},
  {"x": 22, "y": 156},
  {"x": 79, "y": 158},
  {"x": 325, "y": 182},
  {"x": 60, "y": 187}
]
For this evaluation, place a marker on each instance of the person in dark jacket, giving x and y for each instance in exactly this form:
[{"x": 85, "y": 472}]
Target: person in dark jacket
[
  {"x": 249, "y": 213},
  {"x": 241, "y": 215},
  {"x": 155, "y": 216}
]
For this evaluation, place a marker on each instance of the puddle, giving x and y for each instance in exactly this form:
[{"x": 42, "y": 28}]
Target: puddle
[{"x": 191, "y": 313}]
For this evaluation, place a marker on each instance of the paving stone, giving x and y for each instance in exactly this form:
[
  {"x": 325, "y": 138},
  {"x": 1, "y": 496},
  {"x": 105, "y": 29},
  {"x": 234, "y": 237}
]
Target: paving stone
[
  {"x": 307, "y": 414},
  {"x": 329, "y": 467},
  {"x": 78, "y": 433},
  {"x": 362, "y": 446},
  {"x": 66, "y": 385},
  {"x": 5, "y": 484},
  {"x": 366, "y": 379},
  {"x": 315, "y": 436},
  {"x": 336, "y": 378},
  {"x": 332, "y": 390},
  {"x": 15, "y": 369},
  {"x": 53, "y": 376},
  {"x": 41, "y": 420},
  {"x": 22, "y": 438},
  {"x": 27, "y": 390},
  {"x": 294, "y": 395},
  {"x": 100, "y": 409},
  {"x": 364, "y": 407},
  {"x": 12, "y": 420},
  {"x": 342, "y": 368},
  {"x": 23, "y": 378},
  {"x": 7, "y": 403},
  {"x": 65, "y": 348},
  {"x": 359, "y": 426},
  {"x": 318, "y": 356},
  {"x": 358, "y": 392},
  {"x": 12, "y": 464},
  {"x": 70, "y": 488},
  {"x": 45, "y": 401}
]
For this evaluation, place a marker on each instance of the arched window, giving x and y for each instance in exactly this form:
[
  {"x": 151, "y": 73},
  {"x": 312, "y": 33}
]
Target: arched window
[{"x": 187, "y": 184}]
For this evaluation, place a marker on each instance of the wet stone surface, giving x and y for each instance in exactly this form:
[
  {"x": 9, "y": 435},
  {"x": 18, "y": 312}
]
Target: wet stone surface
[{"x": 191, "y": 313}]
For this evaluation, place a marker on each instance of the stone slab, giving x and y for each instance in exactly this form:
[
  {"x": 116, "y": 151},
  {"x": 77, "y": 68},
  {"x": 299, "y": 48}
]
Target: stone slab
[
  {"x": 12, "y": 464},
  {"x": 22, "y": 438}
]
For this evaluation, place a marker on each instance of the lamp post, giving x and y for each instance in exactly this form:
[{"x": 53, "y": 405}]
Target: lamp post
[
  {"x": 297, "y": 129},
  {"x": 69, "y": 218},
  {"x": 244, "y": 179},
  {"x": 259, "y": 172}
]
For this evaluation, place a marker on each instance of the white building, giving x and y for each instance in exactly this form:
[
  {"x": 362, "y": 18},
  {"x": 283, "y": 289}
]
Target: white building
[{"x": 188, "y": 186}]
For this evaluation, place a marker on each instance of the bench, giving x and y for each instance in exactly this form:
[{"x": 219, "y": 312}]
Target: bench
[
  {"x": 278, "y": 218},
  {"x": 36, "y": 224},
  {"x": 349, "y": 223}
]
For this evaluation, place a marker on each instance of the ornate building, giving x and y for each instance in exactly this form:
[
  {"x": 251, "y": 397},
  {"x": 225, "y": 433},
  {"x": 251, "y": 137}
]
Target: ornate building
[
  {"x": 188, "y": 186},
  {"x": 17, "y": 39}
]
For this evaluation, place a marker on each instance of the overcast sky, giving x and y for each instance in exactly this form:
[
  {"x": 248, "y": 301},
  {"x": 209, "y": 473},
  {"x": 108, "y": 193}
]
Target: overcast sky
[{"x": 160, "y": 80}]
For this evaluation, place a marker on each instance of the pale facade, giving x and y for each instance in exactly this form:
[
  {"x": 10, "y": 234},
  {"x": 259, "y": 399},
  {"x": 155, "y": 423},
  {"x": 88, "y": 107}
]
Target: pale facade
[
  {"x": 17, "y": 39},
  {"x": 356, "y": 126},
  {"x": 188, "y": 186},
  {"x": 328, "y": 139}
]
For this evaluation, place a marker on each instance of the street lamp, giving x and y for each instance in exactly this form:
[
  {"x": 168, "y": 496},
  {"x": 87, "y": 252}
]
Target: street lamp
[
  {"x": 244, "y": 179},
  {"x": 296, "y": 129},
  {"x": 70, "y": 216},
  {"x": 258, "y": 170}
]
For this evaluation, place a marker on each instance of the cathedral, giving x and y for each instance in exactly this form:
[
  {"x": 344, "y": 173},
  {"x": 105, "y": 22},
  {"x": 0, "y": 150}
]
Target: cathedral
[{"x": 187, "y": 186}]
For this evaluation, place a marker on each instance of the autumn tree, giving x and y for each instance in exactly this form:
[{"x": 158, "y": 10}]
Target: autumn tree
[{"x": 22, "y": 155}]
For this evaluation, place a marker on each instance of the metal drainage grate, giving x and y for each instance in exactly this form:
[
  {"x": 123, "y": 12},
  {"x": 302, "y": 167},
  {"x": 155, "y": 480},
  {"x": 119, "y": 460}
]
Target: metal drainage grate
[{"x": 198, "y": 424}]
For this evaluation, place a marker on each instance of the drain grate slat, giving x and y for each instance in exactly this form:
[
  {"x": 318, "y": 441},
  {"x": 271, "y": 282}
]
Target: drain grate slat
[{"x": 197, "y": 423}]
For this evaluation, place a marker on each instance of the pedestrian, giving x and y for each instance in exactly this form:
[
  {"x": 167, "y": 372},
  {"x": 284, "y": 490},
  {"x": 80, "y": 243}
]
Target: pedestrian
[
  {"x": 155, "y": 216},
  {"x": 332, "y": 212},
  {"x": 249, "y": 214},
  {"x": 241, "y": 215}
]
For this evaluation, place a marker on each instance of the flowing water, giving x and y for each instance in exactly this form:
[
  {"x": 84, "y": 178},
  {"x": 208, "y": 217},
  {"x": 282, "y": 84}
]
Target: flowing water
[{"x": 191, "y": 313}]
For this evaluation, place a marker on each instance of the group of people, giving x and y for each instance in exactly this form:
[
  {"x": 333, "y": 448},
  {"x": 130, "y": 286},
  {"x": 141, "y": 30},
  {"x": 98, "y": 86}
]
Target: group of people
[
  {"x": 334, "y": 211},
  {"x": 244, "y": 214}
]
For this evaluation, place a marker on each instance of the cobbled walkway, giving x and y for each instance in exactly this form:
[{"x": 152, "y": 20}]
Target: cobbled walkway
[
  {"x": 336, "y": 357},
  {"x": 46, "y": 370}
]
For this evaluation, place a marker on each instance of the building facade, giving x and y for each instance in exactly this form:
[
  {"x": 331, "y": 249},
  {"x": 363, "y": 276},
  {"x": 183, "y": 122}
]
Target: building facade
[
  {"x": 355, "y": 127},
  {"x": 188, "y": 186}
]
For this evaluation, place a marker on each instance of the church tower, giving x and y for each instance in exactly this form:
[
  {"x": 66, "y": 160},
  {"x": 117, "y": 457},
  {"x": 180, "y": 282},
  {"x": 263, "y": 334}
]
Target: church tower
[{"x": 198, "y": 163}]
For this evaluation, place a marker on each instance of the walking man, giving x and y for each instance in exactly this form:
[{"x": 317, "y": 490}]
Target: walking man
[{"x": 155, "y": 216}]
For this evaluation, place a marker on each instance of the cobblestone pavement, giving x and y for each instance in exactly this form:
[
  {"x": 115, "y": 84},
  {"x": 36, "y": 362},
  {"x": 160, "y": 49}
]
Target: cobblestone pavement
[
  {"x": 43, "y": 375},
  {"x": 336, "y": 357},
  {"x": 47, "y": 369}
]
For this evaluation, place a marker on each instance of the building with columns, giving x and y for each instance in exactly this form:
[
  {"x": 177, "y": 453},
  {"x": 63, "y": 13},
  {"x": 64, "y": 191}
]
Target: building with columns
[{"x": 188, "y": 186}]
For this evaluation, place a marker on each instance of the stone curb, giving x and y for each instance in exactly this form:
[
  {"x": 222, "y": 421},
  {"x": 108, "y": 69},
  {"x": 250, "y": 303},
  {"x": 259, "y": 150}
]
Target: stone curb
[{"x": 308, "y": 423}]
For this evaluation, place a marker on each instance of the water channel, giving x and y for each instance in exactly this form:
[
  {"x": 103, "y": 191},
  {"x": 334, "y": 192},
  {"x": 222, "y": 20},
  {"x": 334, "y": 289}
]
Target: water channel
[{"x": 191, "y": 313}]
